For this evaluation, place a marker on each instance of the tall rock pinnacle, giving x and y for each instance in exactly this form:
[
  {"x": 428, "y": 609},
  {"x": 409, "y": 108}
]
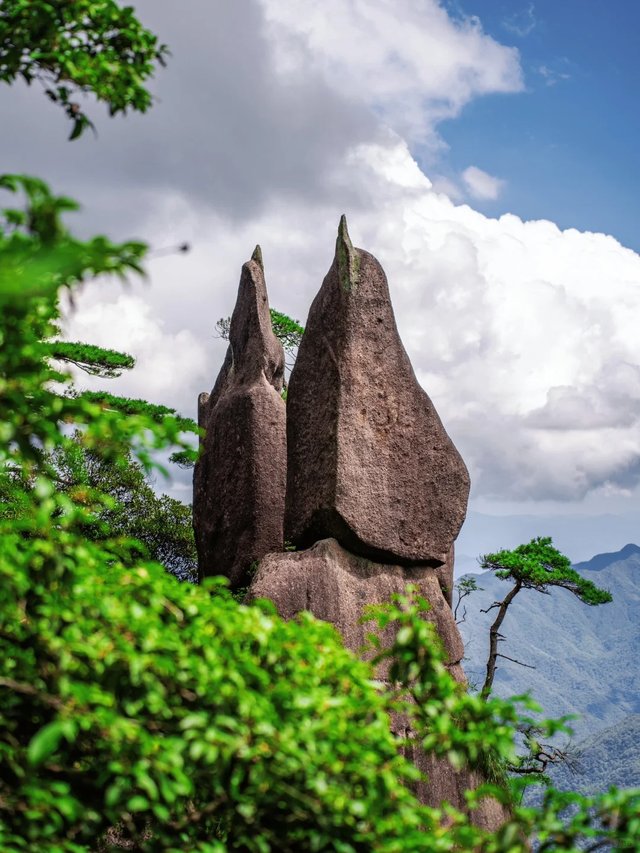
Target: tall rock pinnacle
[
  {"x": 239, "y": 480},
  {"x": 369, "y": 462}
]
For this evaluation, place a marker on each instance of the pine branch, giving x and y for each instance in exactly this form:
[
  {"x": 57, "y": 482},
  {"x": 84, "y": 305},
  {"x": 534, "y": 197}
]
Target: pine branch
[
  {"x": 129, "y": 406},
  {"x": 94, "y": 360}
]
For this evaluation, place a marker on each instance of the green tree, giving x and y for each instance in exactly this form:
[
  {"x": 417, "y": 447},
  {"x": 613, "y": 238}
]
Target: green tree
[
  {"x": 76, "y": 47},
  {"x": 538, "y": 566},
  {"x": 288, "y": 331},
  {"x": 465, "y": 587},
  {"x": 127, "y": 506},
  {"x": 162, "y": 523}
]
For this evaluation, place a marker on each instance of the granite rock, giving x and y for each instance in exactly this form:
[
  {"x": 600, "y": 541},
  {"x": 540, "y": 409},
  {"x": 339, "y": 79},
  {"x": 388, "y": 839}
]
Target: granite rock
[
  {"x": 336, "y": 586},
  {"x": 240, "y": 477},
  {"x": 369, "y": 461}
]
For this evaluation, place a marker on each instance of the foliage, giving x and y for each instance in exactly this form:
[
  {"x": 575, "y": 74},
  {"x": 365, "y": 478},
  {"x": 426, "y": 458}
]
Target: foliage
[
  {"x": 130, "y": 406},
  {"x": 185, "y": 458},
  {"x": 39, "y": 256},
  {"x": 73, "y": 47},
  {"x": 288, "y": 331},
  {"x": 465, "y": 587},
  {"x": 125, "y": 505},
  {"x": 33, "y": 241},
  {"x": 536, "y": 565},
  {"x": 96, "y": 361},
  {"x": 152, "y": 702}
]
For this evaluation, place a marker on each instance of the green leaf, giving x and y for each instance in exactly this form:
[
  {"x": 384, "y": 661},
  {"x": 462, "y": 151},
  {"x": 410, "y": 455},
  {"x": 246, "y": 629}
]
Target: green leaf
[
  {"x": 138, "y": 804},
  {"x": 45, "y": 742}
]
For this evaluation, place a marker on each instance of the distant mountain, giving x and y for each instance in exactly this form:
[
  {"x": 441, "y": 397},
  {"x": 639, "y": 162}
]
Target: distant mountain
[
  {"x": 601, "y": 561},
  {"x": 586, "y": 658}
]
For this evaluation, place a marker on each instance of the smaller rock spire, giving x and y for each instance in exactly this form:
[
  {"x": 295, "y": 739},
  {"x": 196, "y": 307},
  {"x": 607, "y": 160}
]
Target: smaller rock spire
[{"x": 239, "y": 480}]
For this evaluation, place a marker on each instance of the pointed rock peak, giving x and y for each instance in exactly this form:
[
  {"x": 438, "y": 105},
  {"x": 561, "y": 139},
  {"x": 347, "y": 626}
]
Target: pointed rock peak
[
  {"x": 343, "y": 232},
  {"x": 257, "y": 257},
  {"x": 347, "y": 258},
  {"x": 370, "y": 463},
  {"x": 254, "y": 346}
]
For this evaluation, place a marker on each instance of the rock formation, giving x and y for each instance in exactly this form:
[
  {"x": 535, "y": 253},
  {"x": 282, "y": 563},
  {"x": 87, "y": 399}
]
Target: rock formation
[
  {"x": 376, "y": 492},
  {"x": 239, "y": 480},
  {"x": 369, "y": 461},
  {"x": 335, "y": 585}
]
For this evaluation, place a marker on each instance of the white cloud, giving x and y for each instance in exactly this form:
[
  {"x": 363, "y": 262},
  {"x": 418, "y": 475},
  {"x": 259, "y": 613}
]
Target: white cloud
[
  {"x": 521, "y": 22},
  {"x": 554, "y": 73},
  {"x": 443, "y": 184},
  {"x": 482, "y": 185},
  {"x": 167, "y": 362},
  {"x": 407, "y": 59},
  {"x": 524, "y": 335}
]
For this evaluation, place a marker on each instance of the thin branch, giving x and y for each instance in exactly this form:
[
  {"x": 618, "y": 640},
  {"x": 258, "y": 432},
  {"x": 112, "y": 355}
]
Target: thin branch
[
  {"x": 513, "y": 660},
  {"x": 30, "y": 690}
]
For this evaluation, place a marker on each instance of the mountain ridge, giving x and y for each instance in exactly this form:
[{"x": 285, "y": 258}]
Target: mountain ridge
[{"x": 602, "y": 561}]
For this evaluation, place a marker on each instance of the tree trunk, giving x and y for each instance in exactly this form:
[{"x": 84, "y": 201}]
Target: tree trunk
[{"x": 494, "y": 634}]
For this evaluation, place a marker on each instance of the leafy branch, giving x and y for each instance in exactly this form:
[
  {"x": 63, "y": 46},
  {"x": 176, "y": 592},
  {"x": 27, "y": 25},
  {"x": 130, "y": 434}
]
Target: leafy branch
[{"x": 75, "y": 47}]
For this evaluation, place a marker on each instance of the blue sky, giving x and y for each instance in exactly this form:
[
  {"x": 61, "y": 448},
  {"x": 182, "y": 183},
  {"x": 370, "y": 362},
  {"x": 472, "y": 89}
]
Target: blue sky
[{"x": 568, "y": 145}]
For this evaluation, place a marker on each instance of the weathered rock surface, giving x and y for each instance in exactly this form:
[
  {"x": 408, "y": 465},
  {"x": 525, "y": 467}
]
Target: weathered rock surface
[
  {"x": 239, "y": 480},
  {"x": 369, "y": 461},
  {"x": 446, "y": 785},
  {"x": 336, "y": 586}
]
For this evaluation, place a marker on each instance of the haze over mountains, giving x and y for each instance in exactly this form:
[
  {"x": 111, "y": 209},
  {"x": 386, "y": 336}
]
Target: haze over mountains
[
  {"x": 585, "y": 658},
  {"x": 579, "y": 536}
]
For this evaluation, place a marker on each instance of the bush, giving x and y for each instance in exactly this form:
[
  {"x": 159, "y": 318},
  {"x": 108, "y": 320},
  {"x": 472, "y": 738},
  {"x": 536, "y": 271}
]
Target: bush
[{"x": 130, "y": 699}]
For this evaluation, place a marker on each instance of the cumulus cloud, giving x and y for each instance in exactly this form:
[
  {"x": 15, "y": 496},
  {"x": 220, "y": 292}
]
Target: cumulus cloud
[
  {"x": 407, "y": 59},
  {"x": 481, "y": 185},
  {"x": 167, "y": 363},
  {"x": 275, "y": 118}
]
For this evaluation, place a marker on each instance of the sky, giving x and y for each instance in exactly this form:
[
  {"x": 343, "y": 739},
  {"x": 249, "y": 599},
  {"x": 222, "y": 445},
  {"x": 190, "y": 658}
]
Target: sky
[{"x": 484, "y": 152}]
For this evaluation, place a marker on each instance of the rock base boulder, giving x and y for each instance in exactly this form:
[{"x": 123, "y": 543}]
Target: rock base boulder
[{"x": 336, "y": 586}]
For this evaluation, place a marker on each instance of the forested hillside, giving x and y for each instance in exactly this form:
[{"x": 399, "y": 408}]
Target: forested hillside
[{"x": 611, "y": 756}]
